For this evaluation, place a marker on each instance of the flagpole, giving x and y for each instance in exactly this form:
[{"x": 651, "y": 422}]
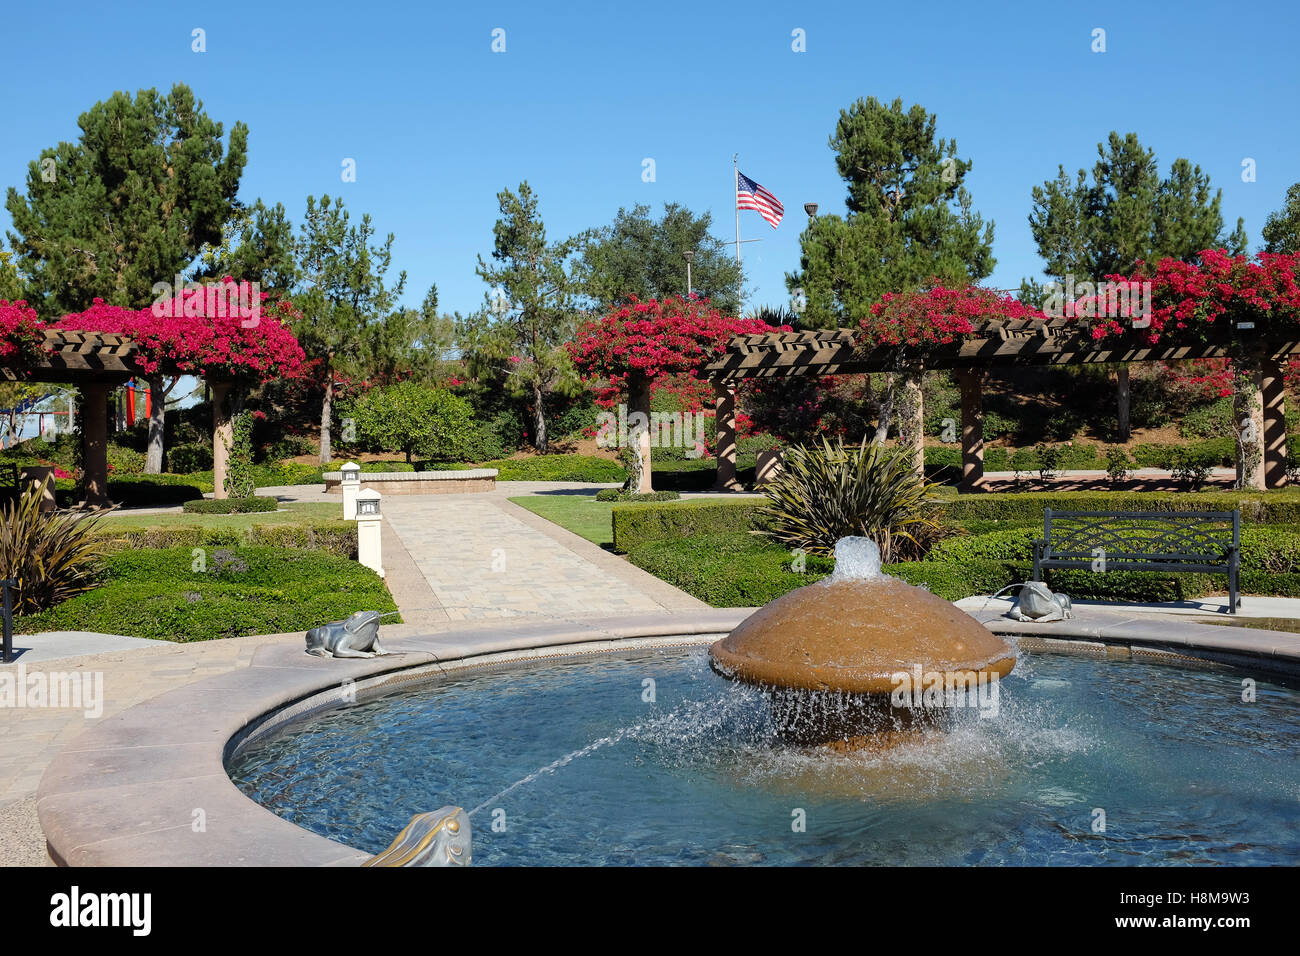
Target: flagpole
[{"x": 735, "y": 202}]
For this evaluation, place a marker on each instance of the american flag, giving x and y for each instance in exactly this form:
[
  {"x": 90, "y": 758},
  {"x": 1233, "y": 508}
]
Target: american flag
[{"x": 750, "y": 195}]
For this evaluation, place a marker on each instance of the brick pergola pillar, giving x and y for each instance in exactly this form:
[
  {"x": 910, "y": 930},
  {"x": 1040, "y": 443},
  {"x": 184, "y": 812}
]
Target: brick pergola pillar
[
  {"x": 725, "y": 403},
  {"x": 223, "y": 436},
  {"x": 94, "y": 443},
  {"x": 971, "y": 383},
  {"x": 1273, "y": 394}
]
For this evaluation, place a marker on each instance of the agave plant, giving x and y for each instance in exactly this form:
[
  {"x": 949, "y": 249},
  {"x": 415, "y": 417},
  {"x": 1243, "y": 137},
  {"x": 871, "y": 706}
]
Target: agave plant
[
  {"x": 52, "y": 556},
  {"x": 822, "y": 494}
]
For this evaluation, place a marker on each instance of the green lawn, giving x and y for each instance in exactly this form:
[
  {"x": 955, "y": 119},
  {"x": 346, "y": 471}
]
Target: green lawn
[
  {"x": 580, "y": 513},
  {"x": 295, "y": 513}
]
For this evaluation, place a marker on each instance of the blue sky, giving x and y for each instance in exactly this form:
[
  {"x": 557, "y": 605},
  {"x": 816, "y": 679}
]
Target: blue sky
[{"x": 437, "y": 123}]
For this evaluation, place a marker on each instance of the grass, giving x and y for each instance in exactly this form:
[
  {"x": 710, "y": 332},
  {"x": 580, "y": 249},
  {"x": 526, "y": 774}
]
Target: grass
[
  {"x": 293, "y": 513},
  {"x": 186, "y": 594},
  {"x": 580, "y": 513}
]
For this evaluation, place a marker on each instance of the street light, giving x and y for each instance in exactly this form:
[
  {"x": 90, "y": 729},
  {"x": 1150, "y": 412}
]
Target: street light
[
  {"x": 810, "y": 208},
  {"x": 689, "y": 255}
]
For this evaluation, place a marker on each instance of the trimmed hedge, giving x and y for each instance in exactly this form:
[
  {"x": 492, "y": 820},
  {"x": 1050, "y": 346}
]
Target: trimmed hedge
[
  {"x": 230, "y": 506},
  {"x": 635, "y": 525},
  {"x": 727, "y": 569},
  {"x": 557, "y": 468},
  {"x": 162, "y": 594},
  {"x": 618, "y": 494},
  {"x": 338, "y": 538},
  {"x": 1271, "y": 507}
]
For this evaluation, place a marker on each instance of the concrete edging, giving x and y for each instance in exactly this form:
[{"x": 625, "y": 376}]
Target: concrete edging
[
  {"x": 132, "y": 790},
  {"x": 148, "y": 787}
]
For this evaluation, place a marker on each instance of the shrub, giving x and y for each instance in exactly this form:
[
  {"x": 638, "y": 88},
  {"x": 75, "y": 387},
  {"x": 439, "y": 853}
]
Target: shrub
[
  {"x": 1191, "y": 467},
  {"x": 1273, "y": 507},
  {"x": 618, "y": 494},
  {"x": 290, "y": 446},
  {"x": 728, "y": 568},
  {"x": 338, "y": 538},
  {"x": 483, "y": 442},
  {"x": 53, "y": 557},
  {"x": 415, "y": 419},
  {"x": 635, "y": 525},
  {"x": 1118, "y": 464},
  {"x": 183, "y": 459},
  {"x": 827, "y": 493},
  {"x": 230, "y": 506},
  {"x": 1207, "y": 421},
  {"x": 557, "y": 468},
  {"x": 1049, "y": 457},
  {"x": 258, "y": 590}
]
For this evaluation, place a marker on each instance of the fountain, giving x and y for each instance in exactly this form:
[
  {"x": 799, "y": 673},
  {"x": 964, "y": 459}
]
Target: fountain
[{"x": 862, "y": 659}]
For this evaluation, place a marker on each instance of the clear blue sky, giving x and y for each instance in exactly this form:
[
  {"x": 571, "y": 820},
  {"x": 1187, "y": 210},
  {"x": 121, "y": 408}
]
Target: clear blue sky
[{"x": 438, "y": 123}]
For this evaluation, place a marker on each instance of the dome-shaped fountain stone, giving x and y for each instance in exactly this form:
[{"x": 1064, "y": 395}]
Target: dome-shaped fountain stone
[{"x": 855, "y": 654}]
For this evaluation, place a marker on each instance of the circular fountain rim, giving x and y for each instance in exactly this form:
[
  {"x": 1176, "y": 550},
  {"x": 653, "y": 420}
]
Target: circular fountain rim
[{"x": 122, "y": 793}]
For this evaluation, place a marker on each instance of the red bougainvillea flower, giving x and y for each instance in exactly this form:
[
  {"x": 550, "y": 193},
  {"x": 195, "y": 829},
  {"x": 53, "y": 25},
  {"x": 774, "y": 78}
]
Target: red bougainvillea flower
[
  {"x": 21, "y": 332},
  {"x": 200, "y": 336},
  {"x": 939, "y": 315},
  {"x": 1188, "y": 298},
  {"x": 655, "y": 339}
]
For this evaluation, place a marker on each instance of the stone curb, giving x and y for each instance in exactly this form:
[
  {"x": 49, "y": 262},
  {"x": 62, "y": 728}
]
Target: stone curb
[{"x": 132, "y": 790}]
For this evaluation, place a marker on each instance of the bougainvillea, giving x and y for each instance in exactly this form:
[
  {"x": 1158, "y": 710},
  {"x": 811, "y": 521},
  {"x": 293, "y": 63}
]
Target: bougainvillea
[
  {"x": 202, "y": 340},
  {"x": 20, "y": 330},
  {"x": 673, "y": 336},
  {"x": 1188, "y": 298},
  {"x": 938, "y": 315}
]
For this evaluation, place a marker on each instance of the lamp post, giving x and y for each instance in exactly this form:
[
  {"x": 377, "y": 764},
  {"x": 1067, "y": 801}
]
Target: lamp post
[{"x": 689, "y": 256}]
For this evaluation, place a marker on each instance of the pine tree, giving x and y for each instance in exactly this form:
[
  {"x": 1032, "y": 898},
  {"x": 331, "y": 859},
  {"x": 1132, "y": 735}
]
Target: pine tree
[
  {"x": 127, "y": 206},
  {"x": 909, "y": 217},
  {"x": 530, "y": 308},
  {"x": 1282, "y": 228}
]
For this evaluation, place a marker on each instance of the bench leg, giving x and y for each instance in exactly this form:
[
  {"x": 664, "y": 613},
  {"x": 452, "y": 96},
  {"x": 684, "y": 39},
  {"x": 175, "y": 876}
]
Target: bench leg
[{"x": 1234, "y": 601}]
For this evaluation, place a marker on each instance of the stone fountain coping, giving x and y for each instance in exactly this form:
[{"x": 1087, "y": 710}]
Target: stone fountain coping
[
  {"x": 444, "y": 474},
  {"x": 128, "y": 791}
]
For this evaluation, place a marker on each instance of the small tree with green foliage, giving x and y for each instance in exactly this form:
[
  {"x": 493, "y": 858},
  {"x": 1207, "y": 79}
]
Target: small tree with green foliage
[{"x": 414, "y": 418}]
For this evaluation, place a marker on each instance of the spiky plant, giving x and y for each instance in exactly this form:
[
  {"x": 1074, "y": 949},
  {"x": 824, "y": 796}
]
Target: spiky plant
[
  {"x": 822, "y": 494},
  {"x": 52, "y": 556}
]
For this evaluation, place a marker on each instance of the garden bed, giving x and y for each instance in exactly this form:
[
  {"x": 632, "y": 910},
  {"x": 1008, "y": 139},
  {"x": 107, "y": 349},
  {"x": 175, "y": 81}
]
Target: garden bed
[{"x": 451, "y": 482}]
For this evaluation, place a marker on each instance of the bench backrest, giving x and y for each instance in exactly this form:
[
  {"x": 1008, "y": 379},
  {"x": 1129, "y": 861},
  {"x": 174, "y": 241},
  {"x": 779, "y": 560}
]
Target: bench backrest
[{"x": 1200, "y": 536}]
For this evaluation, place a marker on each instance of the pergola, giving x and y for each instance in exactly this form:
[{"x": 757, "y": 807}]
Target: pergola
[
  {"x": 96, "y": 362},
  {"x": 993, "y": 343}
]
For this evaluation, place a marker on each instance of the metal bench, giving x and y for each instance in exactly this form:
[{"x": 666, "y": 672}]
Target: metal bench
[{"x": 1202, "y": 541}]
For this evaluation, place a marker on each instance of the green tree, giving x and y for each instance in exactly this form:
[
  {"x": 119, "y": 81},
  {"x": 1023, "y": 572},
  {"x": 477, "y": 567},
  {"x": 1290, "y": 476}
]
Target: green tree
[
  {"x": 909, "y": 217},
  {"x": 412, "y": 342},
  {"x": 530, "y": 307},
  {"x": 414, "y": 418},
  {"x": 342, "y": 293},
  {"x": 11, "y": 283},
  {"x": 1282, "y": 228},
  {"x": 257, "y": 245},
  {"x": 128, "y": 205},
  {"x": 642, "y": 256},
  {"x": 1091, "y": 227}
]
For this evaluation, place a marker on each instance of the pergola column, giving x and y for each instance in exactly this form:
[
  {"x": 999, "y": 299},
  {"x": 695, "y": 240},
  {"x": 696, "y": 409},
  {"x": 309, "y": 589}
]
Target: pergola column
[
  {"x": 971, "y": 383},
  {"x": 1248, "y": 420},
  {"x": 725, "y": 403},
  {"x": 223, "y": 436},
  {"x": 1273, "y": 389},
  {"x": 94, "y": 443},
  {"x": 911, "y": 417}
]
